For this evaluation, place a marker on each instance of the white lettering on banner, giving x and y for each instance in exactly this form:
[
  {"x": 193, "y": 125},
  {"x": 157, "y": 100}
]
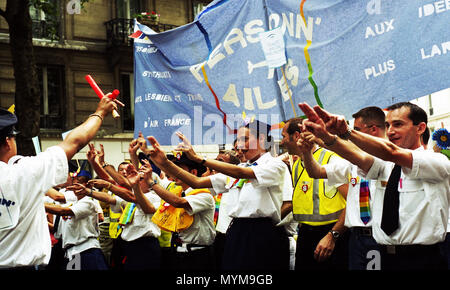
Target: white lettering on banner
[
  {"x": 196, "y": 97},
  {"x": 373, "y": 7},
  {"x": 151, "y": 123},
  {"x": 138, "y": 99},
  {"x": 380, "y": 69},
  {"x": 157, "y": 74},
  {"x": 157, "y": 97},
  {"x": 288, "y": 24},
  {"x": 177, "y": 122},
  {"x": 435, "y": 50},
  {"x": 145, "y": 49},
  {"x": 229, "y": 40},
  {"x": 251, "y": 30},
  {"x": 232, "y": 96},
  {"x": 380, "y": 28},
  {"x": 436, "y": 7}
]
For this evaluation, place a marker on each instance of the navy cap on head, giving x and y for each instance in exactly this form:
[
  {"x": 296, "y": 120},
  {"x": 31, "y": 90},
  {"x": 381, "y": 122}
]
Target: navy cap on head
[
  {"x": 182, "y": 159},
  {"x": 84, "y": 173},
  {"x": 7, "y": 122}
]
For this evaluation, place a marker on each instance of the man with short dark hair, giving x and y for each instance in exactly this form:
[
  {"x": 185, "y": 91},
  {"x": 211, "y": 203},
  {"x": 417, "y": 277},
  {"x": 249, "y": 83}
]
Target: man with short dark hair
[
  {"x": 358, "y": 216},
  {"x": 411, "y": 202}
]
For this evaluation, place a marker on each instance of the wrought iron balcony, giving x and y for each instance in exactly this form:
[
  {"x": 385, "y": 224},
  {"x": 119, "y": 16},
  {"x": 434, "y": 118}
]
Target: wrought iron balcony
[
  {"x": 118, "y": 30},
  {"x": 44, "y": 29}
]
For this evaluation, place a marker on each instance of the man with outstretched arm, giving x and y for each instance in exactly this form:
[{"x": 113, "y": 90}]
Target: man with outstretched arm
[
  {"x": 410, "y": 207},
  {"x": 24, "y": 234}
]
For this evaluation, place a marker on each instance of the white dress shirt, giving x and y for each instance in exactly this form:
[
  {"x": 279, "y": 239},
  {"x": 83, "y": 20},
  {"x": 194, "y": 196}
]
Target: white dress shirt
[
  {"x": 141, "y": 225},
  {"x": 259, "y": 197},
  {"x": 201, "y": 231},
  {"x": 341, "y": 173},
  {"x": 24, "y": 233},
  {"x": 80, "y": 231},
  {"x": 424, "y": 199}
]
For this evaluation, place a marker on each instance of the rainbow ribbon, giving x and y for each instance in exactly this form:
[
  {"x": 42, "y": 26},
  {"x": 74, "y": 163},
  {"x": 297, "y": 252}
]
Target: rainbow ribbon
[
  {"x": 364, "y": 196},
  {"x": 128, "y": 213},
  {"x": 217, "y": 199},
  {"x": 308, "y": 60}
]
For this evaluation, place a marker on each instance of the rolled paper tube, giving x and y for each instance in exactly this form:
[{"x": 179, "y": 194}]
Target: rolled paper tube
[{"x": 100, "y": 94}]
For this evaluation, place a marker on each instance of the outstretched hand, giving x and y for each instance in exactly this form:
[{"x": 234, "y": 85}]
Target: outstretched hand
[
  {"x": 156, "y": 154},
  {"x": 314, "y": 123},
  {"x": 186, "y": 147}
]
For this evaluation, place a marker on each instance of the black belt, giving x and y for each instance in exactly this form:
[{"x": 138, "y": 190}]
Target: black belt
[{"x": 362, "y": 231}]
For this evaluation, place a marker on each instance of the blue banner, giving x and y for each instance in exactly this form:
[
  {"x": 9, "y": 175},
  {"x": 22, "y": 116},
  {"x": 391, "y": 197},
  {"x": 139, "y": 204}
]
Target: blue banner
[{"x": 205, "y": 77}]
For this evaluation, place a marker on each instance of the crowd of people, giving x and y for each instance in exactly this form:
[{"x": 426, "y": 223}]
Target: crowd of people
[{"x": 364, "y": 198}]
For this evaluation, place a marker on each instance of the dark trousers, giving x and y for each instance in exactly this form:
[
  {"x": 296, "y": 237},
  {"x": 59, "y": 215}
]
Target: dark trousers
[
  {"x": 363, "y": 251},
  {"x": 219, "y": 246},
  {"x": 255, "y": 244},
  {"x": 445, "y": 249},
  {"x": 90, "y": 259},
  {"x": 118, "y": 254},
  {"x": 412, "y": 257},
  {"x": 307, "y": 241},
  {"x": 142, "y": 254}
]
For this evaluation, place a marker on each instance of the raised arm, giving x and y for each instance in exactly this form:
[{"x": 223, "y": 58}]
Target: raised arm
[
  {"x": 95, "y": 158},
  {"x": 134, "y": 177},
  {"x": 81, "y": 135},
  {"x": 220, "y": 166},
  {"x": 381, "y": 148},
  {"x": 305, "y": 144},
  {"x": 158, "y": 156},
  {"x": 345, "y": 149}
]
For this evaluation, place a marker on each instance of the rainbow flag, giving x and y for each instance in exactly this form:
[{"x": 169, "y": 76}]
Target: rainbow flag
[
  {"x": 127, "y": 214},
  {"x": 217, "y": 198}
]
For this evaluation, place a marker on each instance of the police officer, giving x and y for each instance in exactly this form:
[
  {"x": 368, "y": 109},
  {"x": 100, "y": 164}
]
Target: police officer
[{"x": 24, "y": 234}]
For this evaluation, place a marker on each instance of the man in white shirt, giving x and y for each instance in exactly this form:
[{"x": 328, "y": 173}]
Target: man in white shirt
[
  {"x": 411, "y": 225},
  {"x": 358, "y": 215},
  {"x": 24, "y": 234}
]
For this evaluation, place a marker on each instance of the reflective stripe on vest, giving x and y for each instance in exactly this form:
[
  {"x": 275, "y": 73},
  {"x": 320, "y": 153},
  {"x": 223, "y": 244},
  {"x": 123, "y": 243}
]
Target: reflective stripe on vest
[{"x": 299, "y": 209}]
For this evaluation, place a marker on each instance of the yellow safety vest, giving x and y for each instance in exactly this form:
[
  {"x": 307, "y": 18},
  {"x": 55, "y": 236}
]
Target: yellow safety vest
[
  {"x": 166, "y": 236},
  {"x": 314, "y": 202}
]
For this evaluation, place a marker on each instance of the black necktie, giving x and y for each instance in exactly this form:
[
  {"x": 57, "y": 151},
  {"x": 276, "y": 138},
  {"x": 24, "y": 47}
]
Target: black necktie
[{"x": 389, "y": 219}]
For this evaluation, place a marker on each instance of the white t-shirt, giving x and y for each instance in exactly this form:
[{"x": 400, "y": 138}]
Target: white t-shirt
[
  {"x": 424, "y": 199},
  {"x": 141, "y": 225},
  {"x": 259, "y": 197},
  {"x": 80, "y": 232},
  {"x": 202, "y": 231},
  {"x": 224, "y": 219},
  {"x": 24, "y": 233}
]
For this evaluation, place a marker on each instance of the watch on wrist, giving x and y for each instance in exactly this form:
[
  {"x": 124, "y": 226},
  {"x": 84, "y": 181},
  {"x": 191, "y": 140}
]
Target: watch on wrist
[
  {"x": 203, "y": 161},
  {"x": 346, "y": 135},
  {"x": 335, "y": 234}
]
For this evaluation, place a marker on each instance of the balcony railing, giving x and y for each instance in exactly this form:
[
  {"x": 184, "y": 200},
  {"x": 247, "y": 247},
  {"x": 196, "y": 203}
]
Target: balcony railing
[
  {"x": 44, "y": 29},
  {"x": 118, "y": 30}
]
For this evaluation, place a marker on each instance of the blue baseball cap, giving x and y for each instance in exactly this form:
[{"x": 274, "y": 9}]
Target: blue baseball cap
[{"x": 7, "y": 122}]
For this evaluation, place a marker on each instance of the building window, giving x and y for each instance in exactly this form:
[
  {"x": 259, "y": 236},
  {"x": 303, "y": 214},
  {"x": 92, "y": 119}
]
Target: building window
[
  {"x": 127, "y": 97},
  {"x": 198, "y": 6},
  {"x": 51, "y": 81},
  {"x": 127, "y": 8},
  {"x": 45, "y": 19}
]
